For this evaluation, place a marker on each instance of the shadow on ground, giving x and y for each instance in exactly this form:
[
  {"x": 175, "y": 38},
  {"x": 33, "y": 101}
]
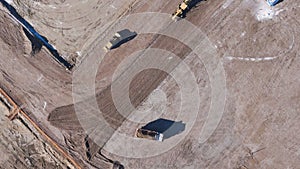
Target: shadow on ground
[
  {"x": 168, "y": 128},
  {"x": 36, "y": 44},
  {"x": 194, "y": 3}
]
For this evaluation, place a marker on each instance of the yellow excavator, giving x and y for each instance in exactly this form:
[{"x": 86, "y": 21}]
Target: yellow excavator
[
  {"x": 185, "y": 5},
  {"x": 181, "y": 10}
]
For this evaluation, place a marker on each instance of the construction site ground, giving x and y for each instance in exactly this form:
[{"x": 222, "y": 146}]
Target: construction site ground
[{"x": 257, "y": 45}]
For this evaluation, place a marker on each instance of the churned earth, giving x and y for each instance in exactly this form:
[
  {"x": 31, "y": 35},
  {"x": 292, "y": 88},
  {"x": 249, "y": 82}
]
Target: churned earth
[{"x": 256, "y": 45}]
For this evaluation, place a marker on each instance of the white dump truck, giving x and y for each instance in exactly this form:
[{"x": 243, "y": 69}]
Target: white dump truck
[{"x": 149, "y": 134}]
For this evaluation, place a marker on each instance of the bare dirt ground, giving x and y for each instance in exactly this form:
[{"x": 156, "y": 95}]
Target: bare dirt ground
[
  {"x": 257, "y": 45},
  {"x": 21, "y": 148}
]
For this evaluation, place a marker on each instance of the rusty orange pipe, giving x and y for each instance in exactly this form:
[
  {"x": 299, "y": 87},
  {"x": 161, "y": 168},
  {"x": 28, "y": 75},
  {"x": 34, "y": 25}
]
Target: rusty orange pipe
[{"x": 48, "y": 138}]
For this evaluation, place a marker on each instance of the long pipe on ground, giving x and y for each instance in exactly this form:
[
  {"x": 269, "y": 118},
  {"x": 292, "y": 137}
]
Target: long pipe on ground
[{"x": 48, "y": 138}]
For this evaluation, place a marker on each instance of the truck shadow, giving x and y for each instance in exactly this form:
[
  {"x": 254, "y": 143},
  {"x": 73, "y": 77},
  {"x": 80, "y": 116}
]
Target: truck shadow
[
  {"x": 122, "y": 42},
  {"x": 168, "y": 128}
]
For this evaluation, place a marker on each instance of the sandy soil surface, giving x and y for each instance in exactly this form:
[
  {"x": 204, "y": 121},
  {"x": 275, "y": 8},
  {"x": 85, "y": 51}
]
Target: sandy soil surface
[
  {"x": 257, "y": 45},
  {"x": 21, "y": 148},
  {"x": 73, "y": 24}
]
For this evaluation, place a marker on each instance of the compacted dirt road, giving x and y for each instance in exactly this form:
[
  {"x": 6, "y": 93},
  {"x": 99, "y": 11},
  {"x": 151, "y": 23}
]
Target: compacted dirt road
[{"x": 257, "y": 46}]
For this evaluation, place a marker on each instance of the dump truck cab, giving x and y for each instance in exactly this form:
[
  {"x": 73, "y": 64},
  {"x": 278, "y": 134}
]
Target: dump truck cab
[{"x": 184, "y": 5}]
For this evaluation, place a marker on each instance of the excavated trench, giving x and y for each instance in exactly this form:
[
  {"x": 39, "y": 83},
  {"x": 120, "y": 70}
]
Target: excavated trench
[{"x": 35, "y": 38}]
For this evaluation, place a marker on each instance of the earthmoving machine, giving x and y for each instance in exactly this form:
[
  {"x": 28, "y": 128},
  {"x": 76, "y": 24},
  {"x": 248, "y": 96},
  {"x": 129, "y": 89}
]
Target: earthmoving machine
[
  {"x": 149, "y": 134},
  {"x": 185, "y": 5},
  {"x": 181, "y": 10},
  {"x": 160, "y": 129},
  {"x": 119, "y": 38}
]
